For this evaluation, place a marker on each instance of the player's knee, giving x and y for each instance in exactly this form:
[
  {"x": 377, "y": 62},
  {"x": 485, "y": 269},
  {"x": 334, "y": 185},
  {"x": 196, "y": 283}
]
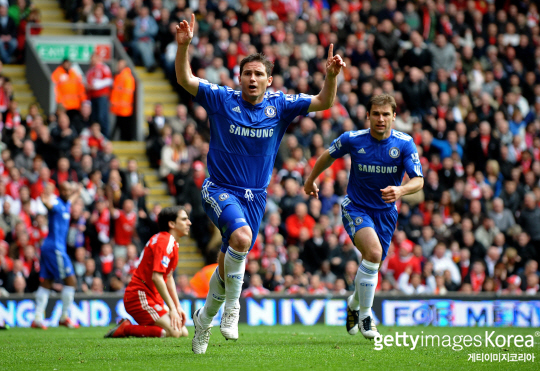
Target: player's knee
[
  {"x": 184, "y": 332},
  {"x": 241, "y": 239},
  {"x": 173, "y": 334},
  {"x": 373, "y": 256}
]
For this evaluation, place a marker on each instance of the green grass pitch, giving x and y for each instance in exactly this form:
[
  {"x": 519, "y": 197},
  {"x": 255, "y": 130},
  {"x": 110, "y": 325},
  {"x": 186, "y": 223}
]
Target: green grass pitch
[{"x": 294, "y": 347}]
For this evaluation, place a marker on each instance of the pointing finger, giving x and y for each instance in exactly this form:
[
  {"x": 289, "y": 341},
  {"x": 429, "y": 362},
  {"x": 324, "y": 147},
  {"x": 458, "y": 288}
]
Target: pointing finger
[
  {"x": 330, "y": 52},
  {"x": 192, "y": 23}
]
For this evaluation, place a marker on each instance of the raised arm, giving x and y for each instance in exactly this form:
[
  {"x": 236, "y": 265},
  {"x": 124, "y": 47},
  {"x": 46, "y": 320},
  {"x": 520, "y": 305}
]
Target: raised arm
[
  {"x": 321, "y": 165},
  {"x": 46, "y": 198},
  {"x": 75, "y": 193},
  {"x": 325, "y": 99},
  {"x": 184, "y": 76}
]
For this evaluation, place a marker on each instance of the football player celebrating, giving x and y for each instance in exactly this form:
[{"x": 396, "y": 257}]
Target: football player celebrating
[
  {"x": 246, "y": 128},
  {"x": 380, "y": 156}
]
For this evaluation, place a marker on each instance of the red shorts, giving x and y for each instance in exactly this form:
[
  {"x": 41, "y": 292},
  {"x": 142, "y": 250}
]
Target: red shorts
[{"x": 143, "y": 307}]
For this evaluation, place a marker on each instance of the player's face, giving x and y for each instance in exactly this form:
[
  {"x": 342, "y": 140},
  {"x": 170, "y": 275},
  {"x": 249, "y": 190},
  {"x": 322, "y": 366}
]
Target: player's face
[
  {"x": 380, "y": 119},
  {"x": 182, "y": 223},
  {"x": 65, "y": 191},
  {"x": 254, "y": 81}
]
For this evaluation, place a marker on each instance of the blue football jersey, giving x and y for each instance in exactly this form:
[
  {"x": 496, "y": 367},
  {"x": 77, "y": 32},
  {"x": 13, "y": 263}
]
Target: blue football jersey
[
  {"x": 59, "y": 217},
  {"x": 244, "y": 138},
  {"x": 376, "y": 165}
]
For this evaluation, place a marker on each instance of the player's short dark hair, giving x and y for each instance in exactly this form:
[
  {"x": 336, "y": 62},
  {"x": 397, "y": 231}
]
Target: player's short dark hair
[
  {"x": 258, "y": 57},
  {"x": 382, "y": 100},
  {"x": 166, "y": 215}
]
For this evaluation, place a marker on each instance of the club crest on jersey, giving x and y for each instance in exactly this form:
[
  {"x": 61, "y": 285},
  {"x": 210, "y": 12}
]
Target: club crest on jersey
[
  {"x": 165, "y": 261},
  {"x": 223, "y": 196},
  {"x": 158, "y": 307},
  {"x": 270, "y": 111},
  {"x": 358, "y": 221},
  {"x": 394, "y": 152}
]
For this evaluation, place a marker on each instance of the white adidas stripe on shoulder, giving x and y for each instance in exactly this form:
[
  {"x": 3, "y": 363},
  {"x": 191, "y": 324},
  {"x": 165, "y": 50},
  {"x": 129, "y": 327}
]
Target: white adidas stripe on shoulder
[
  {"x": 401, "y": 135},
  {"x": 358, "y": 132}
]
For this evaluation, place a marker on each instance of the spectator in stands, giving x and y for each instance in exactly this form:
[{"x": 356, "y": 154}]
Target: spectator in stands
[
  {"x": 145, "y": 30},
  {"x": 98, "y": 86},
  {"x": 172, "y": 156},
  {"x": 63, "y": 135},
  {"x": 299, "y": 220},
  {"x": 124, "y": 227},
  {"x": 183, "y": 287},
  {"x": 255, "y": 288},
  {"x": 290, "y": 199},
  {"x": 8, "y": 34},
  {"x": 97, "y": 18},
  {"x": 398, "y": 263},
  {"x": 122, "y": 101},
  {"x": 442, "y": 262},
  {"x": 530, "y": 219},
  {"x": 68, "y": 88},
  {"x": 411, "y": 283},
  {"x": 501, "y": 216},
  {"x": 24, "y": 161},
  {"x": 316, "y": 251}
]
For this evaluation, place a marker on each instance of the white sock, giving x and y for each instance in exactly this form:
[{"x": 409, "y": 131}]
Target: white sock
[
  {"x": 214, "y": 299},
  {"x": 42, "y": 298},
  {"x": 68, "y": 292},
  {"x": 235, "y": 266},
  {"x": 365, "y": 284}
]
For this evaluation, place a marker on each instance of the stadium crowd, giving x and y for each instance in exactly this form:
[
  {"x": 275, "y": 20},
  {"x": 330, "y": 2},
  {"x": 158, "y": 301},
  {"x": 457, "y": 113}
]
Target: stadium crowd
[{"x": 465, "y": 75}]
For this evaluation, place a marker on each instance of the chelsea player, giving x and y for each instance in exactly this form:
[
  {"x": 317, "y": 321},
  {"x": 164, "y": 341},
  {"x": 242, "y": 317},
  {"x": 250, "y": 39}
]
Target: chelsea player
[
  {"x": 379, "y": 158},
  {"x": 55, "y": 263},
  {"x": 246, "y": 128}
]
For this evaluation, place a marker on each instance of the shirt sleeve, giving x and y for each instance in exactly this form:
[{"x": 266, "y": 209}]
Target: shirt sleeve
[
  {"x": 340, "y": 146},
  {"x": 210, "y": 96},
  {"x": 161, "y": 260},
  {"x": 411, "y": 160},
  {"x": 295, "y": 105},
  {"x": 55, "y": 206}
]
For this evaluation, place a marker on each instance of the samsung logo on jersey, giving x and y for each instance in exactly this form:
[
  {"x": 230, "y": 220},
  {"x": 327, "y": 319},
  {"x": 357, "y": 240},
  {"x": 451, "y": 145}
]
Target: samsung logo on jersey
[
  {"x": 377, "y": 169},
  {"x": 253, "y": 133}
]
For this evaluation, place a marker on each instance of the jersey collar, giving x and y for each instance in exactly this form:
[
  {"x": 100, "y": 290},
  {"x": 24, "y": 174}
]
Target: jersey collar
[
  {"x": 252, "y": 106},
  {"x": 383, "y": 140}
]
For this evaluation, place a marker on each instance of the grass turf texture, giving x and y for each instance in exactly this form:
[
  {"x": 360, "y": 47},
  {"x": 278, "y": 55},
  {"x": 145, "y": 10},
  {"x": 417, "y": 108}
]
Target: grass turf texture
[{"x": 294, "y": 347}]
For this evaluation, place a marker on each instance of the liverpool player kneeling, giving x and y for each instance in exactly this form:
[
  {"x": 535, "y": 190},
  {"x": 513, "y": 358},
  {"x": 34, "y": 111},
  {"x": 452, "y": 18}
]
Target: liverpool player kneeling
[{"x": 152, "y": 283}]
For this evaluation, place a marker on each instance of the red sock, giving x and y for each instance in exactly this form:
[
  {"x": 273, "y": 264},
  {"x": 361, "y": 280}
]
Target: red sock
[{"x": 143, "y": 331}]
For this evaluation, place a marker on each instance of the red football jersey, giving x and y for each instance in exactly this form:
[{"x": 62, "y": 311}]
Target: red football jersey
[
  {"x": 124, "y": 227},
  {"x": 399, "y": 264},
  {"x": 159, "y": 255}
]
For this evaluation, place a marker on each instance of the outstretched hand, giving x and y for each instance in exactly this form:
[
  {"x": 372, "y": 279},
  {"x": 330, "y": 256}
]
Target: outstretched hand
[
  {"x": 334, "y": 63},
  {"x": 184, "y": 31}
]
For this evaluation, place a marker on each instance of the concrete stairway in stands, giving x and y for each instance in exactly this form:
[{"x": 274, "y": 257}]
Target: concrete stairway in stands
[
  {"x": 22, "y": 92},
  {"x": 157, "y": 89},
  {"x": 52, "y": 13},
  {"x": 190, "y": 259}
]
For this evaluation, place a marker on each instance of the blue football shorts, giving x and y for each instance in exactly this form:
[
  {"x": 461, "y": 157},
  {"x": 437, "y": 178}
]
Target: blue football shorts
[
  {"x": 55, "y": 264},
  {"x": 382, "y": 221},
  {"x": 232, "y": 207}
]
